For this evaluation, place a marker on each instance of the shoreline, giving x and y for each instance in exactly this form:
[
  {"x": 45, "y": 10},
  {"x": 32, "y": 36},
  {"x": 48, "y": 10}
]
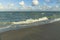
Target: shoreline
[{"x": 49, "y": 31}]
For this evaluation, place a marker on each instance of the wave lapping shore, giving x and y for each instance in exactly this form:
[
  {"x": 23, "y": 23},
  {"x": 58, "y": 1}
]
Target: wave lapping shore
[
  {"x": 28, "y": 23},
  {"x": 49, "y": 31}
]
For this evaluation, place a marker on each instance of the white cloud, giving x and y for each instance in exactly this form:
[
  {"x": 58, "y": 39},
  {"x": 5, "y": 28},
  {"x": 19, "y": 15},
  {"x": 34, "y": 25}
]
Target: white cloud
[
  {"x": 22, "y": 3},
  {"x": 1, "y": 6},
  {"x": 35, "y": 2},
  {"x": 49, "y": 6},
  {"x": 23, "y": 6},
  {"x": 10, "y": 6},
  {"x": 57, "y": 6},
  {"x": 45, "y": 7},
  {"x": 0, "y": 3},
  {"x": 28, "y": 8}
]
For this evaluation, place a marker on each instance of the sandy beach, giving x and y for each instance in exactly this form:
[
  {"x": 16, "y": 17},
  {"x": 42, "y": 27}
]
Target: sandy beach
[{"x": 41, "y": 32}]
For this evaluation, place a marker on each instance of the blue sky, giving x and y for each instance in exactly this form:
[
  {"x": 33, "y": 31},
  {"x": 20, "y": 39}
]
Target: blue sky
[{"x": 16, "y": 4}]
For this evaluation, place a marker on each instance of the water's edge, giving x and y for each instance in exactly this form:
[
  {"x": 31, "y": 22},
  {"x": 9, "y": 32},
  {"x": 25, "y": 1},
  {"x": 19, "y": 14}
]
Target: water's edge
[{"x": 18, "y": 26}]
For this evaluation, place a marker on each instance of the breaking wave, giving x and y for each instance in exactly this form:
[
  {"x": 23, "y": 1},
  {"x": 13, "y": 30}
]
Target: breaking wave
[{"x": 28, "y": 23}]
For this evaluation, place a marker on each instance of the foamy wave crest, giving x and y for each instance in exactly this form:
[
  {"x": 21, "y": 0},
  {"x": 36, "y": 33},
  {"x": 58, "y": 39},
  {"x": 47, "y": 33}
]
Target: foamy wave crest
[
  {"x": 31, "y": 21},
  {"x": 54, "y": 20},
  {"x": 16, "y": 25}
]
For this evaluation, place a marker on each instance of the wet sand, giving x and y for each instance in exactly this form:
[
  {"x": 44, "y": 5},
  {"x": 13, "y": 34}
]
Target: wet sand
[{"x": 42, "y": 32}]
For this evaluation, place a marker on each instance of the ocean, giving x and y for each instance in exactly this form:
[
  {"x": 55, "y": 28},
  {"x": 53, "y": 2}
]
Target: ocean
[
  {"x": 6, "y": 19},
  {"x": 21, "y": 16}
]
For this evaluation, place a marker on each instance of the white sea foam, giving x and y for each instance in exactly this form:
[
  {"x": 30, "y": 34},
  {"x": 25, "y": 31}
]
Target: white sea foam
[
  {"x": 31, "y": 21},
  {"x": 6, "y": 27},
  {"x": 55, "y": 20}
]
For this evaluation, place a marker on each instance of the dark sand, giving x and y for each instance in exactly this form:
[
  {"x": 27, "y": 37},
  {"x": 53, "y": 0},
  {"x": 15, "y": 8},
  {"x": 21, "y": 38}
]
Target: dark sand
[{"x": 43, "y": 32}]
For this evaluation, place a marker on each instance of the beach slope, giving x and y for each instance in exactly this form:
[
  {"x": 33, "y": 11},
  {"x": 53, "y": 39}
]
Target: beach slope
[{"x": 49, "y": 31}]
